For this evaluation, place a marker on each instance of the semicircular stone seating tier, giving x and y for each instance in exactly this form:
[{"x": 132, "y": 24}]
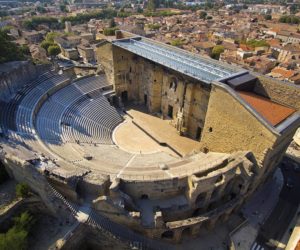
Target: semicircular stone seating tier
[
  {"x": 78, "y": 113},
  {"x": 9, "y": 109},
  {"x": 27, "y": 106}
]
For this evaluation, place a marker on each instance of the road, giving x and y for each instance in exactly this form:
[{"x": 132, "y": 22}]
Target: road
[{"x": 277, "y": 223}]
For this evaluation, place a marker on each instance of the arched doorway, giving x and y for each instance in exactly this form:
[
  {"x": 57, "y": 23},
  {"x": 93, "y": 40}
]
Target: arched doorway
[
  {"x": 186, "y": 232},
  {"x": 200, "y": 198},
  {"x": 167, "y": 234},
  {"x": 144, "y": 197}
]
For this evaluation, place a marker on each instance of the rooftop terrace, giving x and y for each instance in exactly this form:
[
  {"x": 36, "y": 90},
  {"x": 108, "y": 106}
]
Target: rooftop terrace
[{"x": 198, "y": 67}]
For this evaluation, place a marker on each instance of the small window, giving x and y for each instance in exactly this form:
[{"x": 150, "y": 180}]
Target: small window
[
  {"x": 173, "y": 84},
  {"x": 144, "y": 197},
  {"x": 210, "y": 129}
]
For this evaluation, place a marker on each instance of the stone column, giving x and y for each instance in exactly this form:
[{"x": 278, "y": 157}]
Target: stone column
[
  {"x": 211, "y": 223},
  {"x": 177, "y": 235},
  {"x": 207, "y": 198},
  {"x": 195, "y": 229},
  {"x": 220, "y": 190}
]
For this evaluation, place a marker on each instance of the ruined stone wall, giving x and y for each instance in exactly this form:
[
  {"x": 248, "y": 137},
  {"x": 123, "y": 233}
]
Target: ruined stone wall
[
  {"x": 154, "y": 188},
  {"x": 25, "y": 172},
  {"x": 230, "y": 127},
  {"x": 105, "y": 58},
  {"x": 195, "y": 108},
  {"x": 161, "y": 90},
  {"x": 277, "y": 91},
  {"x": 205, "y": 188},
  {"x": 13, "y": 76}
]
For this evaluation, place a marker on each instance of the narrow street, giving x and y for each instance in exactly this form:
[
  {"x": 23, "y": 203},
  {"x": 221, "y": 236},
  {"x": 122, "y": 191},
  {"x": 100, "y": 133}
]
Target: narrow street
[{"x": 277, "y": 223}]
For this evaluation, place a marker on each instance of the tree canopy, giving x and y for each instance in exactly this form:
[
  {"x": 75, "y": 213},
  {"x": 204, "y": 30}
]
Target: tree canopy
[
  {"x": 9, "y": 51},
  {"x": 22, "y": 190},
  {"x": 16, "y": 237},
  {"x": 110, "y": 31},
  {"x": 53, "y": 50},
  {"x": 289, "y": 19},
  {"x": 217, "y": 51},
  {"x": 35, "y": 21},
  {"x": 203, "y": 15},
  {"x": 177, "y": 42},
  {"x": 257, "y": 43}
]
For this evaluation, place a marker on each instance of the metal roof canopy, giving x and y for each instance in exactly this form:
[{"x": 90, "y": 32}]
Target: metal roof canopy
[{"x": 200, "y": 68}]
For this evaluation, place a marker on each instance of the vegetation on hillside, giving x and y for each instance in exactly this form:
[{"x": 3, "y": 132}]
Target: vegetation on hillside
[
  {"x": 257, "y": 43},
  {"x": 177, "y": 42},
  {"x": 49, "y": 44},
  {"x": 154, "y": 26},
  {"x": 289, "y": 19},
  {"x": 110, "y": 31},
  {"x": 82, "y": 18},
  {"x": 22, "y": 190},
  {"x": 53, "y": 50},
  {"x": 35, "y": 21},
  {"x": 160, "y": 13},
  {"x": 16, "y": 238},
  {"x": 9, "y": 51}
]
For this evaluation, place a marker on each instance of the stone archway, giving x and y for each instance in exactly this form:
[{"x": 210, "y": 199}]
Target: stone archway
[
  {"x": 186, "y": 232},
  {"x": 167, "y": 234},
  {"x": 144, "y": 197},
  {"x": 200, "y": 199}
]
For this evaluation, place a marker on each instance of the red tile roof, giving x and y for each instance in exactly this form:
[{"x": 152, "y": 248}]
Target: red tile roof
[
  {"x": 283, "y": 72},
  {"x": 244, "y": 47},
  {"x": 273, "y": 112}
]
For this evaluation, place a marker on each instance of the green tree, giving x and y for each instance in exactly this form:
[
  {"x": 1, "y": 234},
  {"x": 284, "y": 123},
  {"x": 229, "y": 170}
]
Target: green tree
[
  {"x": 216, "y": 52},
  {"x": 6, "y": 28},
  {"x": 63, "y": 8},
  {"x": 155, "y": 26},
  {"x": 41, "y": 9},
  {"x": 53, "y": 50},
  {"x": 139, "y": 10},
  {"x": 289, "y": 19},
  {"x": 16, "y": 237},
  {"x": 112, "y": 23},
  {"x": 24, "y": 221},
  {"x": 109, "y": 31},
  {"x": 51, "y": 35},
  {"x": 46, "y": 44},
  {"x": 152, "y": 5},
  {"x": 268, "y": 17},
  {"x": 257, "y": 43},
  {"x": 25, "y": 49},
  {"x": 22, "y": 190},
  {"x": 203, "y": 15},
  {"x": 9, "y": 51},
  {"x": 177, "y": 42}
]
